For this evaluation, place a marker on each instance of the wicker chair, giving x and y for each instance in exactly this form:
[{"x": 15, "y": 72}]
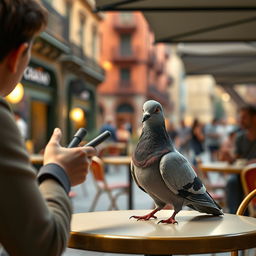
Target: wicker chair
[{"x": 248, "y": 178}]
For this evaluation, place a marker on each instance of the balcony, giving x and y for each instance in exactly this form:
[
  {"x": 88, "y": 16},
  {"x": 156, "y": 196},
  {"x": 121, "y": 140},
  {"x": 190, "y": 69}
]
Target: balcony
[
  {"x": 77, "y": 51},
  {"x": 125, "y": 88},
  {"x": 154, "y": 93},
  {"x": 79, "y": 62},
  {"x": 58, "y": 26},
  {"x": 125, "y": 57},
  {"x": 124, "y": 23},
  {"x": 89, "y": 62}
]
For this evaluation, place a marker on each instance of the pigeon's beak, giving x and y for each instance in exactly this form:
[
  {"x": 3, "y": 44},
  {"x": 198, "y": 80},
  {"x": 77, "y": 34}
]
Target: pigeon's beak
[{"x": 146, "y": 117}]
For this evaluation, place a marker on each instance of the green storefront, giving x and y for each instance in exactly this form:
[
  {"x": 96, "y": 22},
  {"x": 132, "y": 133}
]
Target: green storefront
[
  {"x": 82, "y": 106},
  {"x": 39, "y": 104}
]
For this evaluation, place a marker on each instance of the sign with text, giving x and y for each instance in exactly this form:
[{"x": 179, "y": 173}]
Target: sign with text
[{"x": 37, "y": 75}]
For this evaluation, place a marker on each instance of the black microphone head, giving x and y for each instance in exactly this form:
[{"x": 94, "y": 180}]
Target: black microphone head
[{"x": 81, "y": 133}]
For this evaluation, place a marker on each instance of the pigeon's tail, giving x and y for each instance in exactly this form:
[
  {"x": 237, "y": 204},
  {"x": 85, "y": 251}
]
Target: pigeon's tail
[
  {"x": 206, "y": 209},
  {"x": 204, "y": 203}
]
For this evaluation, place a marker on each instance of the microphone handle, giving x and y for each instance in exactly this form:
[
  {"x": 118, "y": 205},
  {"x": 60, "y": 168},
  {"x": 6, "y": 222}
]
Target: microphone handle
[
  {"x": 99, "y": 139},
  {"x": 78, "y": 137}
]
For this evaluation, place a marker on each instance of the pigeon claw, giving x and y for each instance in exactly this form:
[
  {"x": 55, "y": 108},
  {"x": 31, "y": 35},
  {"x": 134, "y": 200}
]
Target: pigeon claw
[
  {"x": 145, "y": 217},
  {"x": 168, "y": 221}
]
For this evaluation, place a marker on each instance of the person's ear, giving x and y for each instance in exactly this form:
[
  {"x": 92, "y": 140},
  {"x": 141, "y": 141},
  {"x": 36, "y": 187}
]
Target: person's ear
[{"x": 15, "y": 57}]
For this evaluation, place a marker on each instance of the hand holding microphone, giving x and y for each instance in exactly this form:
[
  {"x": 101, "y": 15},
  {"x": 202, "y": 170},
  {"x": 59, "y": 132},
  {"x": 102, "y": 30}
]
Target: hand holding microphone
[{"x": 74, "y": 160}]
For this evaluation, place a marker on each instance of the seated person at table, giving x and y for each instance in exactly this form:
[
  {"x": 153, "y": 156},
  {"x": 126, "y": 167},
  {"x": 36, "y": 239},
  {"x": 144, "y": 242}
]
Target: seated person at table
[
  {"x": 35, "y": 211},
  {"x": 245, "y": 148}
]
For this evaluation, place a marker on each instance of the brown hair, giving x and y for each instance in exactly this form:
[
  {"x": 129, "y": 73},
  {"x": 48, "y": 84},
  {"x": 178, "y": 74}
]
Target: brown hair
[
  {"x": 20, "y": 21},
  {"x": 250, "y": 108}
]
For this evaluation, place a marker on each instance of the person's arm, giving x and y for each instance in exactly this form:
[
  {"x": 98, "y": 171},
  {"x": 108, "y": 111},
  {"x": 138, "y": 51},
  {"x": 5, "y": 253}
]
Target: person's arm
[
  {"x": 231, "y": 155},
  {"x": 29, "y": 225},
  {"x": 35, "y": 220}
]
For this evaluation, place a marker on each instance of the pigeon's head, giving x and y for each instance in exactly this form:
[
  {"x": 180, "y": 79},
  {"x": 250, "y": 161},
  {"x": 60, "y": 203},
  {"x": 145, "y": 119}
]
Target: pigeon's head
[{"x": 153, "y": 112}]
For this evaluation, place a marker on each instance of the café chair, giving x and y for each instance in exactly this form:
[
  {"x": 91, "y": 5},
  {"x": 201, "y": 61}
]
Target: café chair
[
  {"x": 216, "y": 189},
  {"x": 102, "y": 186},
  {"x": 242, "y": 207},
  {"x": 248, "y": 179}
]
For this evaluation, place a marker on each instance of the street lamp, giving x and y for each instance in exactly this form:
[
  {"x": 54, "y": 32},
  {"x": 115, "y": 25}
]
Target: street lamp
[
  {"x": 77, "y": 114},
  {"x": 107, "y": 65},
  {"x": 16, "y": 95}
]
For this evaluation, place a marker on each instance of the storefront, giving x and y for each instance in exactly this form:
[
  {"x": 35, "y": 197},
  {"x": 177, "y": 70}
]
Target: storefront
[
  {"x": 81, "y": 102},
  {"x": 38, "y": 105}
]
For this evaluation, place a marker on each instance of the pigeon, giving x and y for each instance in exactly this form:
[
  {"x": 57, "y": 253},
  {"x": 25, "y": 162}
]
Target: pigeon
[{"x": 164, "y": 173}]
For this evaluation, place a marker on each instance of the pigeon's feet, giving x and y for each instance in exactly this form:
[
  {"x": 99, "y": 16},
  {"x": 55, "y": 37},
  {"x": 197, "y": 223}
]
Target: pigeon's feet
[
  {"x": 144, "y": 217},
  {"x": 171, "y": 220},
  {"x": 147, "y": 216},
  {"x": 168, "y": 221}
]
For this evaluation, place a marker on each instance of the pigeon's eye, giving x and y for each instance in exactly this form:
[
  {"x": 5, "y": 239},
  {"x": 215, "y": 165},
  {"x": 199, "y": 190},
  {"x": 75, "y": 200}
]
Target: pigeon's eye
[{"x": 157, "y": 110}]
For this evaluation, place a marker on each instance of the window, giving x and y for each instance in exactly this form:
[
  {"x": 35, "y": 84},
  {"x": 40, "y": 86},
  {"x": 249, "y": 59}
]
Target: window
[
  {"x": 125, "y": 46},
  {"x": 94, "y": 41},
  {"x": 81, "y": 29},
  {"x": 68, "y": 19},
  {"x": 125, "y": 77}
]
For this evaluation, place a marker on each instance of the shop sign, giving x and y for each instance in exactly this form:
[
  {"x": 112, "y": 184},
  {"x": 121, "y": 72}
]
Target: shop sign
[{"x": 37, "y": 75}]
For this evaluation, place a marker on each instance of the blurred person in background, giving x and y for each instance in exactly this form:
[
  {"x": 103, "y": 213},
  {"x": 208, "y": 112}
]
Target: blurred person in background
[
  {"x": 183, "y": 138},
  {"x": 35, "y": 210},
  {"x": 123, "y": 135},
  {"x": 197, "y": 139},
  {"x": 227, "y": 148},
  {"x": 244, "y": 148},
  {"x": 212, "y": 138},
  {"x": 171, "y": 130},
  {"x": 109, "y": 126}
]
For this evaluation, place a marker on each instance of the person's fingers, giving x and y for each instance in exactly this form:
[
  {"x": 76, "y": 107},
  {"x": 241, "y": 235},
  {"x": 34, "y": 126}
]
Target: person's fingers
[
  {"x": 90, "y": 151},
  {"x": 56, "y": 136}
]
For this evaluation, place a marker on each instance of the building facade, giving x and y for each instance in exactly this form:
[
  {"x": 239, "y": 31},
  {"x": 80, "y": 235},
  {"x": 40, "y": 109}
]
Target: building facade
[
  {"x": 135, "y": 69},
  {"x": 63, "y": 74}
]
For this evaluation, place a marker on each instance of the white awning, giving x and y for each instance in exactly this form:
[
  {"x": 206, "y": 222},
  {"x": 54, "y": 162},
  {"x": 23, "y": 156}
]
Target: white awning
[
  {"x": 229, "y": 63},
  {"x": 193, "y": 21}
]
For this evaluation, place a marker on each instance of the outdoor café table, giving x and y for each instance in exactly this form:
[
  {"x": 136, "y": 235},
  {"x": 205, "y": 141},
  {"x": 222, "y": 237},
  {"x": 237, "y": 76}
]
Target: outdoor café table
[
  {"x": 113, "y": 231},
  {"x": 223, "y": 167},
  {"x": 37, "y": 159},
  {"x": 122, "y": 160}
]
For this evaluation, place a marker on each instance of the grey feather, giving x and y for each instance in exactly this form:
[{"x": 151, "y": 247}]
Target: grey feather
[{"x": 162, "y": 172}]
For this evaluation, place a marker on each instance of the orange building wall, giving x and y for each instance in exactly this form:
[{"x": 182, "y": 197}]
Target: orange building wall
[{"x": 143, "y": 73}]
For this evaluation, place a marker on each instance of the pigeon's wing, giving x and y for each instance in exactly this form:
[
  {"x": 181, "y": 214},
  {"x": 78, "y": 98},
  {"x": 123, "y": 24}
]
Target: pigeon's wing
[
  {"x": 181, "y": 179},
  {"x": 179, "y": 175},
  {"x": 134, "y": 177}
]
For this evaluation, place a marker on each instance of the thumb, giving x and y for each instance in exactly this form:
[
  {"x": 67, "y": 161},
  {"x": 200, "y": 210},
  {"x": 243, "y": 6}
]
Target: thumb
[{"x": 56, "y": 136}]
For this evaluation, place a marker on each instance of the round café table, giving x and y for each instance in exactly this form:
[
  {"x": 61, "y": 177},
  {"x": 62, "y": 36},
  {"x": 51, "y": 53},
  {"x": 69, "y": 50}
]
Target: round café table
[
  {"x": 113, "y": 231},
  {"x": 37, "y": 159},
  {"x": 222, "y": 167}
]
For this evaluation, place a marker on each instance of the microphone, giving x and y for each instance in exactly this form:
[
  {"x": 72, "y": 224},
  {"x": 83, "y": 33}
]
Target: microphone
[
  {"x": 99, "y": 139},
  {"x": 78, "y": 137}
]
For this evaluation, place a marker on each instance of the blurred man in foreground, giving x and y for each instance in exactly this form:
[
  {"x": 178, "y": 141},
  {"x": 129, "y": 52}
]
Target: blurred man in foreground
[{"x": 35, "y": 211}]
